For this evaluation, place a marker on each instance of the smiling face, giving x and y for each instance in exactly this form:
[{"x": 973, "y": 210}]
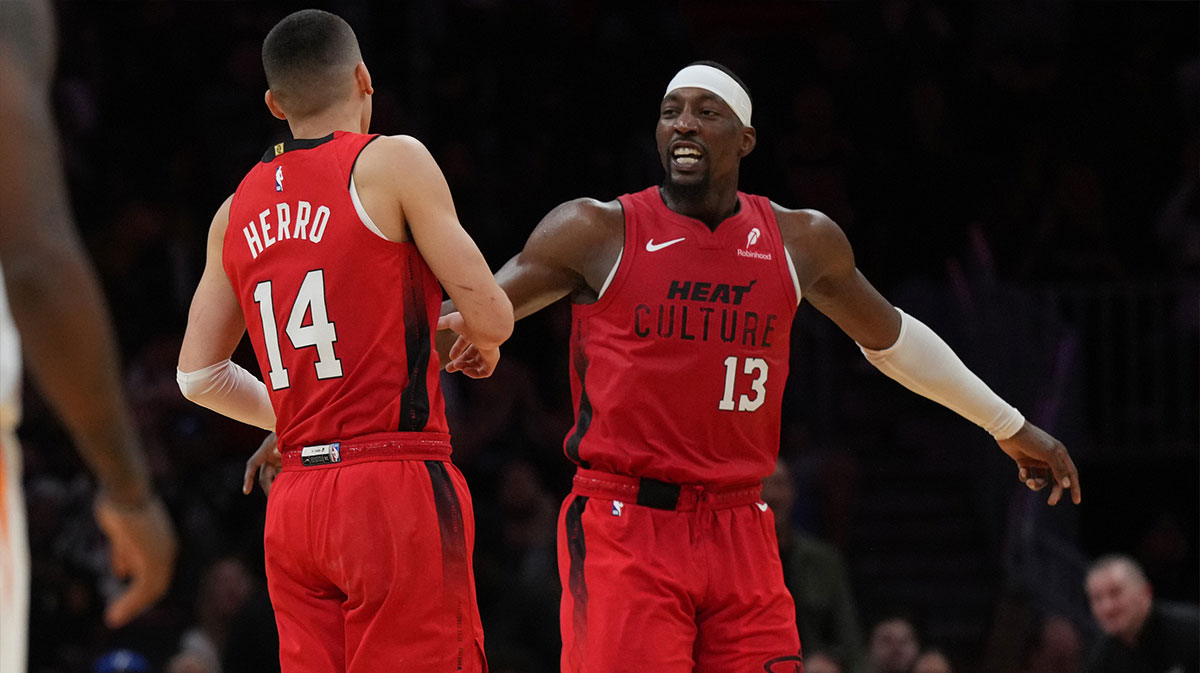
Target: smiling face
[{"x": 700, "y": 140}]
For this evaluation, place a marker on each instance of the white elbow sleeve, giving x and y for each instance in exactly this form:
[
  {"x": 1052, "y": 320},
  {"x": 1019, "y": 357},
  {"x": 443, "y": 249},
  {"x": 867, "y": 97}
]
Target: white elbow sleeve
[
  {"x": 923, "y": 363},
  {"x": 230, "y": 391}
]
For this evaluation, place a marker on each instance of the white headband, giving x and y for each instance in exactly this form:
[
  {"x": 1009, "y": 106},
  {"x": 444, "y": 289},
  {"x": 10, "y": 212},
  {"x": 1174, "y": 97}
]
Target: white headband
[{"x": 711, "y": 79}]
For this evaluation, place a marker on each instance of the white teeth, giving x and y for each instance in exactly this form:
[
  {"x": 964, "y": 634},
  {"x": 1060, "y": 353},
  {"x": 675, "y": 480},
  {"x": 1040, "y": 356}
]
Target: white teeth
[
  {"x": 686, "y": 151},
  {"x": 686, "y": 161}
]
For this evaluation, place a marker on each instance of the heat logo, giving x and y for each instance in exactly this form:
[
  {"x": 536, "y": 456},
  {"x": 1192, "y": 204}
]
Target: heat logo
[{"x": 751, "y": 240}]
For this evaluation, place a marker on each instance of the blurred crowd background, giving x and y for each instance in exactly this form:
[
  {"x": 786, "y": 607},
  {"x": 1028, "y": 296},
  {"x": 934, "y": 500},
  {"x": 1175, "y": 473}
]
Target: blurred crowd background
[{"x": 1022, "y": 175}]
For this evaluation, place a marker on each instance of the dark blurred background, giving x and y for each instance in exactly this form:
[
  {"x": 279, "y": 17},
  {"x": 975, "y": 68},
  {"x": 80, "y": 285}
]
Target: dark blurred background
[{"x": 1023, "y": 176}]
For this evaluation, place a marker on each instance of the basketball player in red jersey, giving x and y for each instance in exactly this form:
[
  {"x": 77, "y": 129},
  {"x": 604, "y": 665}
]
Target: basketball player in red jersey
[
  {"x": 52, "y": 304},
  {"x": 330, "y": 254},
  {"x": 683, "y": 299}
]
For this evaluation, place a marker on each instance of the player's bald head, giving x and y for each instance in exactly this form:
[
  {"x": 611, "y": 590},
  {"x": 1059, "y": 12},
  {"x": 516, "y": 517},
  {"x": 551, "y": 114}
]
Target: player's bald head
[{"x": 309, "y": 59}]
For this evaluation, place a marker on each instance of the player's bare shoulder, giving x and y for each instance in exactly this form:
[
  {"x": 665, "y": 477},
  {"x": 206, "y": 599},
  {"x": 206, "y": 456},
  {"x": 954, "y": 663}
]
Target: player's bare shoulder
[
  {"x": 220, "y": 221},
  {"x": 585, "y": 219},
  {"x": 583, "y": 235},
  {"x": 817, "y": 244},
  {"x": 388, "y": 158}
]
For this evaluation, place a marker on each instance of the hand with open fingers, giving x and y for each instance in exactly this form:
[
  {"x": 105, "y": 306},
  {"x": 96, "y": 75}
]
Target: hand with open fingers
[
  {"x": 1043, "y": 461},
  {"x": 143, "y": 551},
  {"x": 465, "y": 356},
  {"x": 266, "y": 463}
]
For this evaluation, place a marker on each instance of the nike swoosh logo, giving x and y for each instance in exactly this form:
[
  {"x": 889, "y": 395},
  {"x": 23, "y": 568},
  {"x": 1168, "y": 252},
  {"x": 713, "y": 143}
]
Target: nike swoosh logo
[
  {"x": 762, "y": 506},
  {"x": 651, "y": 246}
]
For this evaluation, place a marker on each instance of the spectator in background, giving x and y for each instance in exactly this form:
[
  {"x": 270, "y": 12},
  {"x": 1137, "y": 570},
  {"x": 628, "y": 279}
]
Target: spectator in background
[
  {"x": 893, "y": 645},
  {"x": 822, "y": 661},
  {"x": 1057, "y": 647},
  {"x": 224, "y": 590},
  {"x": 932, "y": 661},
  {"x": 1140, "y": 634},
  {"x": 189, "y": 661},
  {"x": 816, "y": 576}
]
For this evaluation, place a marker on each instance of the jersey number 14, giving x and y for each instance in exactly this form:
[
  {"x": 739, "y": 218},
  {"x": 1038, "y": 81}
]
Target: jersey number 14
[{"x": 319, "y": 333}]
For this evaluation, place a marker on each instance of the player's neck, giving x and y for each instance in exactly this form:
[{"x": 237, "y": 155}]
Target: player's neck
[
  {"x": 711, "y": 204},
  {"x": 321, "y": 125}
]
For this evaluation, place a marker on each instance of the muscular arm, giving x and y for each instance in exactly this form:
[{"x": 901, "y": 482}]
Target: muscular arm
[
  {"x": 570, "y": 252},
  {"x": 401, "y": 169},
  {"x": 56, "y": 300},
  {"x": 910, "y": 353}
]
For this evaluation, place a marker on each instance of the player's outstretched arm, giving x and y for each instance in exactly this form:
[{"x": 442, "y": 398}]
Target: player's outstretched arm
[
  {"x": 216, "y": 324},
  {"x": 912, "y": 354},
  {"x": 63, "y": 319},
  {"x": 569, "y": 252}
]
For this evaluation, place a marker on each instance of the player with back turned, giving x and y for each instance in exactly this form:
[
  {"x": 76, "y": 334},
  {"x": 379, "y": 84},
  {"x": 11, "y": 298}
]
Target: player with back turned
[{"x": 332, "y": 254}]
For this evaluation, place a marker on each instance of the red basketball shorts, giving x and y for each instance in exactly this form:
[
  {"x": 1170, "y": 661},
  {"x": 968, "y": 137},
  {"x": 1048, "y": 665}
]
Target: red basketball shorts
[
  {"x": 690, "y": 580},
  {"x": 369, "y": 566}
]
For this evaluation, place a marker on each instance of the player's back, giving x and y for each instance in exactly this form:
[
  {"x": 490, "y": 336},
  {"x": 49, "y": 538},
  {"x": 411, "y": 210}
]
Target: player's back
[{"x": 341, "y": 318}]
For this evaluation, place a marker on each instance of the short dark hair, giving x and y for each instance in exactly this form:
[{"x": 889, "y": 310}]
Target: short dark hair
[
  {"x": 308, "y": 58},
  {"x": 727, "y": 71}
]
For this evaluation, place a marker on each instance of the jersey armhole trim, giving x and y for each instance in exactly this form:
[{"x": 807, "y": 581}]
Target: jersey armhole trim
[
  {"x": 362, "y": 212},
  {"x": 616, "y": 276},
  {"x": 611, "y": 274},
  {"x": 792, "y": 271}
]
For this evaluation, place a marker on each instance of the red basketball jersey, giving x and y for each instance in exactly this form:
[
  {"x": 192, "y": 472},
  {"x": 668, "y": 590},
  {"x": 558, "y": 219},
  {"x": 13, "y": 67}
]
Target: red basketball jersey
[
  {"x": 341, "y": 319},
  {"x": 678, "y": 369}
]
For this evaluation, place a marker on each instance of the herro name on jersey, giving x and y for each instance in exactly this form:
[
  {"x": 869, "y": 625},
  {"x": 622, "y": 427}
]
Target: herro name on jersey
[{"x": 308, "y": 225}]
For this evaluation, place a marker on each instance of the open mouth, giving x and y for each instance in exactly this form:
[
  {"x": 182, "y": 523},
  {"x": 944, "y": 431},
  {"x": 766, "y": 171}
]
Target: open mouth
[{"x": 686, "y": 156}]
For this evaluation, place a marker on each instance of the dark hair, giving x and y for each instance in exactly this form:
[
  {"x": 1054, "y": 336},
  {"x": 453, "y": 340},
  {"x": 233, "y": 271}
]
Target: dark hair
[
  {"x": 727, "y": 71},
  {"x": 308, "y": 58}
]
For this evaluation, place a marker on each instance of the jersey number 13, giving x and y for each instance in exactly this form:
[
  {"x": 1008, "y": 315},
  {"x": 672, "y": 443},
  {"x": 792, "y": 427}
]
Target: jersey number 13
[{"x": 756, "y": 367}]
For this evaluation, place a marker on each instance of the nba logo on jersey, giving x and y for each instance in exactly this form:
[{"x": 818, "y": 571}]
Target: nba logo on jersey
[
  {"x": 617, "y": 507},
  {"x": 279, "y": 180},
  {"x": 322, "y": 454},
  {"x": 750, "y": 240}
]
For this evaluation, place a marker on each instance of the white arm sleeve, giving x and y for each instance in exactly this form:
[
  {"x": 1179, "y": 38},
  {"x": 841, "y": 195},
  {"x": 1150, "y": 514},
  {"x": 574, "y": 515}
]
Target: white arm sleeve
[
  {"x": 230, "y": 391},
  {"x": 923, "y": 363}
]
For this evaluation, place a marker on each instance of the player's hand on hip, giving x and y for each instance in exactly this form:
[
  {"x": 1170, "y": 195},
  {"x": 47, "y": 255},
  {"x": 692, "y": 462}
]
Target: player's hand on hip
[
  {"x": 266, "y": 462},
  {"x": 143, "y": 551},
  {"x": 464, "y": 355},
  {"x": 1043, "y": 461}
]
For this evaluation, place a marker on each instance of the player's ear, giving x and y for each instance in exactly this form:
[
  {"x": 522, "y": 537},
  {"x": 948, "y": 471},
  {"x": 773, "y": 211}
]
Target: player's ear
[
  {"x": 363, "y": 78},
  {"x": 273, "y": 106},
  {"x": 749, "y": 141}
]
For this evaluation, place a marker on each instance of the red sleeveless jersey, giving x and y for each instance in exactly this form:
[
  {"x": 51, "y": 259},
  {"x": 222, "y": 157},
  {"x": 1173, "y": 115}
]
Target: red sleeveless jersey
[
  {"x": 678, "y": 369},
  {"x": 341, "y": 319}
]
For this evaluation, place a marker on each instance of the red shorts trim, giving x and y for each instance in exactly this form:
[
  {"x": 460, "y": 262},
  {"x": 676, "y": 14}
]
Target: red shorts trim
[
  {"x": 659, "y": 494},
  {"x": 373, "y": 447}
]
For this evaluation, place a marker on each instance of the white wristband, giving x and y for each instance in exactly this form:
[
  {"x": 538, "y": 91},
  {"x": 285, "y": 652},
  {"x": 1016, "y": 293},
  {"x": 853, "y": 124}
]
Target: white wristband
[
  {"x": 230, "y": 391},
  {"x": 923, "y": 363}
]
